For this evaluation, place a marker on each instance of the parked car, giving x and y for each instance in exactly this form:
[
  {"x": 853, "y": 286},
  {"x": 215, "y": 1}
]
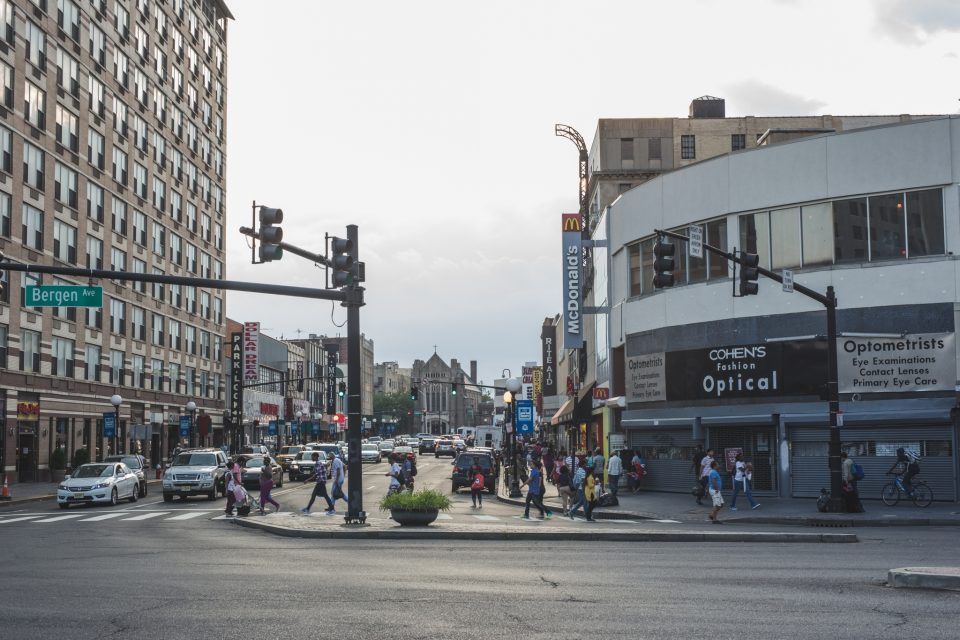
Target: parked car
[
  {"x": 444, "y": 448},
  {"x": 386, "y": 448},
  {"x": 287, "y": 455},
  {"x": 136, "y": 463},
  {"x": 461, "y": 468},
  {"x": 98, "y": 482},
  {"x": 302, "y": 467},
  {"x": 370, "y": 453},
  {"x": 250, "y": 467},
  {"x": 196, "y": 472},
  {"x": 427, "y": 445}
]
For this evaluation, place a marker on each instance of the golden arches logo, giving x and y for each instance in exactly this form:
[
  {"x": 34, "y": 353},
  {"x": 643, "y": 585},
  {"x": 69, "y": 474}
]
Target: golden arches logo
[{"x": 571, "y": 222}]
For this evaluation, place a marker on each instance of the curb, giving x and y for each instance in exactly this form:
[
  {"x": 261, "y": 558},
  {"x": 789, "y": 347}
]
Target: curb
[
  {"x": 606, "y": 514},
  {"x": 944, "y": 578},
  {"x": 52, "y": 496},
  {"x": 848, "y": 522},
  {"x": 359, "y": 532}
]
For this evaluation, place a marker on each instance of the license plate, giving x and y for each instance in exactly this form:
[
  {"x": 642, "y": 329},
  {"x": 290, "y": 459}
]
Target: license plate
[
  {"x": 184, "y": 486},
  {"x": 78, "y": 495}
]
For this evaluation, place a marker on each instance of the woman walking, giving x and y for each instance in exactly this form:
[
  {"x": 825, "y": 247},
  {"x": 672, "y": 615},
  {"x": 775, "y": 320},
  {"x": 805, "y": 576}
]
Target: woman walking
[
  {"x": 266, "y": 486},
  {"x": 563, "y": 486},
  {"x": 590, "y": 494},
  {"x": 477, "y": 482},
  {"x": 535, "y": 490}
]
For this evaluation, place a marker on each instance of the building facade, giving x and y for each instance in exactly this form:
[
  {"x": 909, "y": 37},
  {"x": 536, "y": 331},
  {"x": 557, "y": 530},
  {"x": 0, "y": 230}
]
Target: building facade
[
  {"x": 871, "y": 212},
  {"x": 113, "y": 131},
  {"x": 390, "y": 377},
  {"x": 437, "y": 409}
]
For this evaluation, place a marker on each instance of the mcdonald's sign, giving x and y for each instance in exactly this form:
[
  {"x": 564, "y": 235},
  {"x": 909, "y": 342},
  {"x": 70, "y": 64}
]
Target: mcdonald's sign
[{"x": 572, "y": 280}]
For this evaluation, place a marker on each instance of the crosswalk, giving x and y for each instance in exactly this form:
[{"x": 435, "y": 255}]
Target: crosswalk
[{"x": 113, "y": 517}]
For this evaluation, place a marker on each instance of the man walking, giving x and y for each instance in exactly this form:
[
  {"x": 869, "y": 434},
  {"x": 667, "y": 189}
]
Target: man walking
[
  {"x": 320, "y": 487},
  {"x": 705, "y": 466},
  {"x": 715, "y": 484},
  {"x": 598, "y": 466},
  {"x": 576, "y": 484},
  {"x": 337, "y": 477},
  {"x": 614, "y": 471}
]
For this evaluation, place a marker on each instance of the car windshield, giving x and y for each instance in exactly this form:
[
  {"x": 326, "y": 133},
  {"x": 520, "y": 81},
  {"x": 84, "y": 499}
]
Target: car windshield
[
  {"x": 253, "y": 463},
  {"x": 131, "y": 461},
  {"x": 196, "y": 459},
  {"x": 386, "y": 443},
  {"x": 290, "y": 450},
  {"x": 95, "y": 471},
  {"x": 369, "y": 447},
  {"x": 465, "y": 462},
  {"x": 305, "y": 455}
]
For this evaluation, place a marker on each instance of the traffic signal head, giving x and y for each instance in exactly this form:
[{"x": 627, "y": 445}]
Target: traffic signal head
[
  {"x": 341, "y": 389},
  {"x": 749, "y": 274},
  {"x": 342, "y": 262},
  {"x": 414, "y": 393},
  {"x": 270, "y": 236},
  {"x": 663, "y": 253},
  {"x": 453, "y": 388}
]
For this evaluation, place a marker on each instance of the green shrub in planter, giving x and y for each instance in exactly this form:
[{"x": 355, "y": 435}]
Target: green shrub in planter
[
  {"x": 58, "y": 459},
  {"x": 80, "y": 456},
  {"x": 422, "y": 500}
]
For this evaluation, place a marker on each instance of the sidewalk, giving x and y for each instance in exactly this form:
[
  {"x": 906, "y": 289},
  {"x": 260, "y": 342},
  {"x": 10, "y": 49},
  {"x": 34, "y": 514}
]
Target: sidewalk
[
  {"x": 791, "y": 511},
  {"x": 27, "y": 492}
]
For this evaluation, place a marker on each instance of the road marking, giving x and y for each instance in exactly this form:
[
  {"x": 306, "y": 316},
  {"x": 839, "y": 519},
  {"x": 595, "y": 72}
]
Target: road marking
[
  {"x": 620, "y": 521},
  {"x": 145, "y": 504},
  {"x": 19, "y": 519},
  {"x": 223, "y": 517},
  {"x": 487, "y": 518},
  {"x": 105, "y": 516},
  {"x": 146, "y": 516},
  {"x": 58, "y": 518},
  {"x": 668, "y": 521},
  {"x": 187, "y": 516},
  {"x": 373, "y": 486}
]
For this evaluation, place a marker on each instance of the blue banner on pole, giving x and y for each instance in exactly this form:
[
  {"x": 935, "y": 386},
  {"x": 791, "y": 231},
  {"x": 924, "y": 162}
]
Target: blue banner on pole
[
  {"x": 524, "y": 416},
  {"x": 316, "y": 427},
  {"x": 109, "y": 425},
  {"x": 272, "y": 428},
  {"x": 184, "y": 426}
]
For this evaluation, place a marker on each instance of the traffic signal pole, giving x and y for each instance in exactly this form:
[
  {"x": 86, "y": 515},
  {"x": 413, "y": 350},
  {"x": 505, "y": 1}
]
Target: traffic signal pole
[
  {"x": 829, "y": 301},
  {"x": 354, "y": 426}
]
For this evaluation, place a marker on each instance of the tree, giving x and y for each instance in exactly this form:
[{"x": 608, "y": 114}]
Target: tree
[{"x": 394, "y": 405}]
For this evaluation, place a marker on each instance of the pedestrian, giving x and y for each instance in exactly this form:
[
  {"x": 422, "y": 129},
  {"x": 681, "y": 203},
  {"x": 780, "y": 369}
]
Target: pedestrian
[
  {"x": 705, "y": 466},
  {"x": 337, "y": 478},
  {"x": 638, "y": 468},
  {"x": 534, "y": 484},
  {"x": 697, "y": 466},
  {"x": 740, "y": 482},
  {"x": 548, "y": 461},
  {"x": 576, "y": 487},
  {"x": 320, "y": 486},
  {"x": 396, "y": 475},
  {"x": 851, "y": 497},
  {"x": 563, "y": 487},
  {"x": 590, "y": 494},
  {"x": 614, "y": 471},
  {"x": 266, "y": 486},
  {"x": 715, "y": 484},
  {"x": 598, "y": 466},
  {"x": 233, "y": 479},
  {"x": 477, "y": 483}
]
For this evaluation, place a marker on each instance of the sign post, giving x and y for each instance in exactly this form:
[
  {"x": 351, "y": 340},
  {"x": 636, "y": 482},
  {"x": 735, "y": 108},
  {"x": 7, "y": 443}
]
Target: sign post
[
  {"x": 696, "y": 241},
  {"x": 109, "y": 424},
  {"x": 524, "y": 416},
  {"x": 184, "y": 426}
]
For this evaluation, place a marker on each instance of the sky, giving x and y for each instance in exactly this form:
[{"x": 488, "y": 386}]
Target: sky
[{"x": 430, "y": 125}]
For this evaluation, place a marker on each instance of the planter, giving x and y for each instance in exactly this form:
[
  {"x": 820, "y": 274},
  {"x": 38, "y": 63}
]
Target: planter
[{"x": 410, "y": 518}]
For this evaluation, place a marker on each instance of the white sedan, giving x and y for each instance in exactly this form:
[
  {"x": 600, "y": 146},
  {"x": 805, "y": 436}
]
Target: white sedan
[{"x": 99, "y": 482}]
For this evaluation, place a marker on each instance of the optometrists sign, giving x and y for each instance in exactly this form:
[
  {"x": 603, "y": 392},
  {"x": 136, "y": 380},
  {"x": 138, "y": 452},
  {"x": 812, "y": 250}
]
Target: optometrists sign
[{"x": 918, "y": 362}]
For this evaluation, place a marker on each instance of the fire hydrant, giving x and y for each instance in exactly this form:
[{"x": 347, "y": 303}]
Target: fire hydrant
[{"x": 159, "y": 471}]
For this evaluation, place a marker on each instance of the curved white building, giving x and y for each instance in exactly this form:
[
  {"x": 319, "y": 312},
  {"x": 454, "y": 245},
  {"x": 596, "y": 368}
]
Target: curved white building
[{"x": 873, "y": 212}]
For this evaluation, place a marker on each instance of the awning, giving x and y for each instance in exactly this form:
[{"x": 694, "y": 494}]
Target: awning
[{"x": 563, "y": 414}]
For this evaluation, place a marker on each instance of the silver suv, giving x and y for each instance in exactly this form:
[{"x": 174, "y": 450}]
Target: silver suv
[{"x": 196, "y": 472}]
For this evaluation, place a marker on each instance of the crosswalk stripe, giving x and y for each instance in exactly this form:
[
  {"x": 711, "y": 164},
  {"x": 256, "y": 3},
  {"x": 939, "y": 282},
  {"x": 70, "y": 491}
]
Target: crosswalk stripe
[
  {"x": 444, "y": 516},
  {"x": 668, "y": 521},
  {"x": 187, "y": 516},
  {"x": 19, "y": 519},
  {"x": 105, "y": 516},
  {"x": 146, "y": 516},
  {"x": 58, "y": 518},
  {"x": 488, "y": 518},
  {"x": 620, "y": 521}
]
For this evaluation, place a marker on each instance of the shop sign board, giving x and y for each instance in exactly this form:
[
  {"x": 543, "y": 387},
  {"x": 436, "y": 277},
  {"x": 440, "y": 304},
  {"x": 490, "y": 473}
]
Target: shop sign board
[
  {"x": 914, "y": 362},
  {"x": 572, "y": 237},
  {"x": 548, "y": 337},
  {"x": 28, "y": 411},
  {"x": 251, "y": 351},
  {"x": 109, "y": 425},
  {"x": 236, "y": 378},
  {"x": 730, "y": 456},
  {"x": 524, "y": 416},
  {"x": 184, "y": 426},
  {"x": 646, "y": 378}
]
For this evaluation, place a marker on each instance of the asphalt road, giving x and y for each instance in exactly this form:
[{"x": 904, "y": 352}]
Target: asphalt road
[{"x": 205, "y": 578}]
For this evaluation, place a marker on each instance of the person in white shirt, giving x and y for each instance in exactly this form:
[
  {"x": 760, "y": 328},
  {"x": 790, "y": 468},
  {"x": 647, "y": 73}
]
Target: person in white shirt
[
  {"x": 741, "y": 481},
  {"x": 395, "y": 473},
  {"x": 337, "y": 477},
  {"x": 705, "y": 472},
  {"x": 614, "y": 471}
]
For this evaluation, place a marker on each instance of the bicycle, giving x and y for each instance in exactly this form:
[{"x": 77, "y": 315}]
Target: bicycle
[{"x": 891, "y": 493}]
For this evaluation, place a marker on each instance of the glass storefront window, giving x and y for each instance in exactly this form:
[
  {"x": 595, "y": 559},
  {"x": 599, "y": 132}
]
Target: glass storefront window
[
  {"x": 850, "y": 230},
  {"x": 887, "y": 233}
]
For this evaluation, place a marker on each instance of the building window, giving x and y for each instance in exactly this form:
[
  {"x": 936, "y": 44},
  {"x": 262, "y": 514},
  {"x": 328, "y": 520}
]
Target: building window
[
  {"x": 29, "y": 351},
  {"x": 5, "y": 215},
  {"x": 95, "y": 102},
  {"x": 95, "y": 148},
  {"x": 119, "y": 166},
  {"x": 190, "y": 339},
  {"x": 3, "y": 345},
  {"x": 62, "y": 352},
  {"x": 119, "y": 117},
  {"x": 156, "y": 374},
  {"x": 32, "y": 227},
  {"x": 28, "y": 280},
  {"x": 159, "y": 239},
  {"x": 138, "y": 323},
  {"x": 6, "y": 150},
  {"x": 817, "y": 234},
  {"x": 205, "y": 304},
  {"x": 118, "y": 317},
  {"x": 98, "y": 48},
  {"x": 68, "y": 18},
  {"x": 140, "y": 133},
  {"x": 94, "y": 253},
  {"x": 68, "y": 129},
  {"x": 159, "y": 195},
  {"x": 116, "y": 367},
  {"x": 9, "y": 33},
  {"x": 6, "y": 74},
  {"x": 119, "y": 215},
  {"x": 64, "y": 242},
  {"x": 190, "y": 376},
  {"x": 688, "y": 147},
  {"x": 156, "y": 329},
  {"x": 626, "y": 153},
  {"x": 205, "y": 344},
  {"x": 176, "y": 249},
  {"x": 176, "y": 297},
  {"x": 33, "y": 166},
  {"x": 36, "y": 45},
  {"x": 139, "y": 266},
  {"x": 91, "y": 368},
  {"x": 68, "y": 73},
  {"x": 176, "y": 206},
  {"x": 755, "y": 236},
  {"x": 65, "y": 185},
  {"x": 217, "y": 310},
  {"x": 191, "y": 258},
  {"x": 785, "y": 238},
  {"x": 738, "y": 141},
  {"x": 95, "y": 317},
  {"x": 925, "y": 223},
  {"x": 173, "y": 330},
  {"x": 190, "y": 295},
  {"x": 140, "y": 228},
  {"x": 95, "y": 202},
  {"x": 140, "y": 180},
  {"x": 120, "y": 71},
  {"x": 157, "y": 286},
  {"x": 35, "y": 105},
  {"x": 136, "y": 369},
  {"x": 887, "y": 232},
  {"x": 850, "y": 230},
  {"x": 174, "y": 370}
]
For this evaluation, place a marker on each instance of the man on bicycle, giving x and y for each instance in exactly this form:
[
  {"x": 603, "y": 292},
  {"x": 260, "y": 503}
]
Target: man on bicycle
[{"x": 906, "y": 467}]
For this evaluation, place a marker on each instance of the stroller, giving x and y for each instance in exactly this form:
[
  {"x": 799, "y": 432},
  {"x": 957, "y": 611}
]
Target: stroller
[{"x": 244, "y": 501}]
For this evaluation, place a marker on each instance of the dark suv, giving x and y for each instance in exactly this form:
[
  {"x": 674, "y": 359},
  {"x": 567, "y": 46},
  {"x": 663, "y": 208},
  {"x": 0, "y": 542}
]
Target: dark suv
[
  {"x": 461, "y": 469},
  {"x": 428, "y": 445}
]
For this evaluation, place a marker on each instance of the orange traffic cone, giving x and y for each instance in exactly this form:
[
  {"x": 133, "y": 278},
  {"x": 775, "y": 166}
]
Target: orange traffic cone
[{"x": 6, "y": 489}]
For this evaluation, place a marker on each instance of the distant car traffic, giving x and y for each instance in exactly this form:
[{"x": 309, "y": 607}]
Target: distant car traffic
[
  {"x": 403, "y": 452},
  {"x": 370, "y": 453},
  {"x": 98, "y": 482},
  {"x": 412, "y": 442},
  {"x": 461, "y": 468},
  {"x": 250, "y": 468},
  {"x": 287, "y": 455},
  {"x": 386, "y": 448},
  {"x": 427, "y": 445},
  {"x": 460, "y": 445},
  {"x": 302, "y": 467},
  {"x": 137, "y": 464},
  {"x": 444, "y": 447},
  {"x": 255, "y": 449}
]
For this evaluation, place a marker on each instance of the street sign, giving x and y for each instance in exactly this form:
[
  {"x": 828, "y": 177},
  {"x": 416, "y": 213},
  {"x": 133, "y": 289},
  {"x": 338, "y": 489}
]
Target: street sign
[
  {"x": 524, "y": 416},
  {"x": 55, "y": 295},
  {"x": 109, "y": 425},
  {"x": 787, "y": 280},
  {"x": 184, "y": 426},
  {"x": 696, "y": 241},
  {"x": 272, "y": 428}
]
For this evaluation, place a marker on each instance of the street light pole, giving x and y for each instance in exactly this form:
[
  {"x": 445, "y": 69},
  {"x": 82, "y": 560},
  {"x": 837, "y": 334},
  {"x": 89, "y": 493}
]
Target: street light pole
[
  {"x": 192, "y": 410},
  {"x": 116, "y": 400},
  {"x": 513, "y": 387}
]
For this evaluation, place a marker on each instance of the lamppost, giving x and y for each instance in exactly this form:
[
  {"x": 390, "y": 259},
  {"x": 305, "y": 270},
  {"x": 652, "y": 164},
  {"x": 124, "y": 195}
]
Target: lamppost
[
  {"x": 300, "y": 415},
  {"x": 227, "y": 431},
  {"x": 116, "y": 400},
  {"x": 192, "y": 410},
  {"x": 513, "y": 387}
]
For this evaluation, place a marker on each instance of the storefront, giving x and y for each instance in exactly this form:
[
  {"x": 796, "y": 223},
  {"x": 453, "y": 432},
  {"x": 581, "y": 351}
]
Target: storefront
[{"x": 28, "y": 438}]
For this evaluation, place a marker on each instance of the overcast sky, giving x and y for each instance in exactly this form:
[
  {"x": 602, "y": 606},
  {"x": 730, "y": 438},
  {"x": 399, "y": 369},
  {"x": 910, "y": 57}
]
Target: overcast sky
[{"x": 430, "y": 125}]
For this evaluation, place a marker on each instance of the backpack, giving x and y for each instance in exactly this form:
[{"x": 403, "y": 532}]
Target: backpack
[
  {"x": 478, "y": 481},
  {"x": 857, "y": 471},
  {"x": 413, "y": 468}
]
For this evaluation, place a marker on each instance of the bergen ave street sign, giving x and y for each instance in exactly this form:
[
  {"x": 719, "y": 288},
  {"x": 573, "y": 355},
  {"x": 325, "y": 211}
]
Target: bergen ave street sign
[{"x": 64, "y": 296}]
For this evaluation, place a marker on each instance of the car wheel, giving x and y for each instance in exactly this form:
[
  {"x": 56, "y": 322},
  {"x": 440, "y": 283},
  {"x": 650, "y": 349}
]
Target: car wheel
[
  {"x": 64, "y": 505},
  {"x": 143, "y": 490},
  {"x": 134, "y": 493},
  {"x": 213, "y": 494},
  {"x": 114, "y": 497},
  {"x": 168, "y": 497}
]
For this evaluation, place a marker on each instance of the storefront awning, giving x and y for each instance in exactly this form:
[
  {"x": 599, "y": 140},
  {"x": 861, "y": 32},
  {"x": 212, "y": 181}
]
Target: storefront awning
[{"x": 563, "y": 414}]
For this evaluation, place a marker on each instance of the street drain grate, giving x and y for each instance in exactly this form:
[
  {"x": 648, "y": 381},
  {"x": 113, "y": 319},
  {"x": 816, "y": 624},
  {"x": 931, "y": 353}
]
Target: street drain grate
[{"x": 830, "y": 524}]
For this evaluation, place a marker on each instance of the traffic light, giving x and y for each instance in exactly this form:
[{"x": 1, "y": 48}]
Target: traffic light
[
  {"x": 749, "y": 274},
  {"x": 453, "y": 388},
  {"x": 342, "y": 389},
  {"x": 414, "y": 393},
  {"x": 270, "y": 236},
  {"x": 342, "y": 262},
  {"x": 663, "y": 264}
]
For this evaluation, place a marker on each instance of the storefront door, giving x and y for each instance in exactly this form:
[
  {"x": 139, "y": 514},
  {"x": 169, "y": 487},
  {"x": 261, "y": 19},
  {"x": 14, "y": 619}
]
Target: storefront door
[
  {"x": 758, "y": 446},
  {"x": 27, "y": 457}
]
